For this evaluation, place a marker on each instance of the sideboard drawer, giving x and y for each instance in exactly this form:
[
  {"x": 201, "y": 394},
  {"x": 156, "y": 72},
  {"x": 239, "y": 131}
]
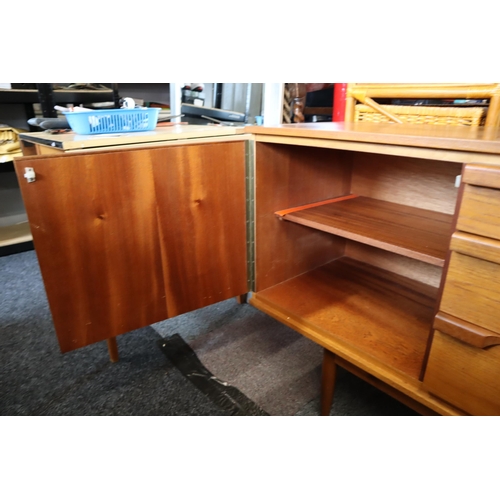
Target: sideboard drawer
[
  {"x": 472, "y": 291},
  {"x": 466, "y": 376},
  {"x": 480, "y": 207},
  {"x": 480, "y": 211}
]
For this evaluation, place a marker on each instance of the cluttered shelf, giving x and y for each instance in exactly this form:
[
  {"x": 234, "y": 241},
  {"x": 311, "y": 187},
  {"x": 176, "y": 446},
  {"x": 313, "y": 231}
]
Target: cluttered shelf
[
  {"x": 14, "y": 227},
  {"x": 38, "y": 99},
  {"x": 31, "y": 96}
]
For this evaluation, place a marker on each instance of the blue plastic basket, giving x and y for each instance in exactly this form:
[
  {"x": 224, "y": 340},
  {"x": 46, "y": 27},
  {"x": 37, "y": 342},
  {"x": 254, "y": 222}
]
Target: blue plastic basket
[{"x": 113, "y": 120}]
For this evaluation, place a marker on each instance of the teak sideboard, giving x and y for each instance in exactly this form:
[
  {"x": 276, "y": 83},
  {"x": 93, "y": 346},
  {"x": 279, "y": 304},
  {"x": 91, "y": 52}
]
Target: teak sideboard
[{"x": 380, "y": 242}]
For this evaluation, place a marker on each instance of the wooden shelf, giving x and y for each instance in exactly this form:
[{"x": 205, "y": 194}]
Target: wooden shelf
[
  {"x": 382, "y": 315},
  {"x": 77, "y": 96},
  {"x": 413, "y": 232}
]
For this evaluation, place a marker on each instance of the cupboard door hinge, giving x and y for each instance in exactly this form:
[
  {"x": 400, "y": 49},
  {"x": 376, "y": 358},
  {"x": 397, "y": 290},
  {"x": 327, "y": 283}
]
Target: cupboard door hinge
[{"x": 29, "y": 174}]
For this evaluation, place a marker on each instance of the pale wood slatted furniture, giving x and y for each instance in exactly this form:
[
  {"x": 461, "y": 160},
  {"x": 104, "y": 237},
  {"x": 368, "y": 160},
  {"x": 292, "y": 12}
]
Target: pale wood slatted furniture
[{"x": 361, "y": 103}]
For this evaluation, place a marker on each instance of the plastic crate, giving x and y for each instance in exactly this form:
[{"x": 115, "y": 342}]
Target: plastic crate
[{"x": 113, "y": 120}]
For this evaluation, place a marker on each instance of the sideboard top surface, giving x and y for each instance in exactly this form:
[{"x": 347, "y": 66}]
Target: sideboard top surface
[
  {"x": 473, "y": 139},
  {"x": 70, "y": 141},
  {"x": 466, "y": 139}
]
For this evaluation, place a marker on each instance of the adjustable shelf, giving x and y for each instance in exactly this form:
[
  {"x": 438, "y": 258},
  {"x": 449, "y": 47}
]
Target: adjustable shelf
[
  {"x": 384, "y": 316},
  {"x": 413, "y": 232}
]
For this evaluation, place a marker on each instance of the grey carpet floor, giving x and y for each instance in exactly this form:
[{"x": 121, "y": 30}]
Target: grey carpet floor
[
  {"x": 273, "y": 366},
  {"x": 36, "y": 379}
]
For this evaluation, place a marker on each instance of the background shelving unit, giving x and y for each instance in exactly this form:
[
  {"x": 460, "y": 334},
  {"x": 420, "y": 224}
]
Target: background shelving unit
[
  {"x": 17, "y": 108},
  {"x": 47, "y": 97}
]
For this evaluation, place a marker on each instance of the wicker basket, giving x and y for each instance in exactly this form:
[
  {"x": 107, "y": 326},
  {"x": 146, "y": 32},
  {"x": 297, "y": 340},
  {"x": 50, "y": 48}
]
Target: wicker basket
[
  {"x": 10, "y": 147},
  {"x": 430, "y": 115},
  {"x": 8, "y": 134}
]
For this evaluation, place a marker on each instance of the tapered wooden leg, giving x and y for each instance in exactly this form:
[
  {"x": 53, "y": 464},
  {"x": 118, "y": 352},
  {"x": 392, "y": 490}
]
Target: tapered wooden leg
[
  {"x": 242, "y": 299},
  {"x": 113, "y": 349},
  {"x": 329, "y": 371}
]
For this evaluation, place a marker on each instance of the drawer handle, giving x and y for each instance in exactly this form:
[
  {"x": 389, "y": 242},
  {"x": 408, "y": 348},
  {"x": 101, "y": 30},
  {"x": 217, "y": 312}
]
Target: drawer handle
[
  {"x": 482, "y": 175},
  {"x": 476, "y": 246},
  {"x": 466, "y": 332}
]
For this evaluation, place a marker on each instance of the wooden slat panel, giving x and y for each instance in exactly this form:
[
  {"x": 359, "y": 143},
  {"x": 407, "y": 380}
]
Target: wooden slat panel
[
  {"x": 480, "y": 211},
  {"x": 465, "y": 376},
  {"x": 421, "y": 234},
  {"x": 288, "y": 177},
  {"x": 201, "y": 210},
  {"x": 472, "y": 291},
  {"x": 95, "y": 231}
]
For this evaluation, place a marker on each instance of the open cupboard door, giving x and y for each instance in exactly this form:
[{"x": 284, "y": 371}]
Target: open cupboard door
[{"x": 129, "y": 238}]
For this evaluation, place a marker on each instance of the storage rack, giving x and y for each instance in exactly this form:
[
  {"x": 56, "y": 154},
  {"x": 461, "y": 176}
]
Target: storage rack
[{"x": 15, "y": 234}]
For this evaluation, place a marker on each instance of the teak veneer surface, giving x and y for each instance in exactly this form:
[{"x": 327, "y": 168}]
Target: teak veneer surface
[
  {"x": 379, "y": 313},
  {"x": 97, "y": 243},
  {"x": 476, "y": 246},
  {"x": 482, "y": 175},
  {"x": 480, "y": 211},
  {"x": 129, "y": 238},
  {"x": 413, "y": 232},
  {"x": 463, "y": 375},
  {"x": 472, "y": 291},
  {"x": 202, "y": 218},
  {"x": 415, "y": 182},
  {"x": 287, "y": 180}
]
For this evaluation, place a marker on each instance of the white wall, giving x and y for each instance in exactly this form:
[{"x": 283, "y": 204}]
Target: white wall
[{"x": 272, "y": 107}]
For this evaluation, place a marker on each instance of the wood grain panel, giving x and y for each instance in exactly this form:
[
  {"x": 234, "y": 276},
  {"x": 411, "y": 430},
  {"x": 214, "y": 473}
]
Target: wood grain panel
[
  {"x": 399, "y": 264},
  {"x": 472, "y": 291},
  {"x": 94, "y": 226},
  {"x": 426, "y": 184},
  {"x": 413, "y": 232},
  {"x": 288, "y": 176},
  {"x": 201, "y": 211},
  {"x": 480, "y": 211},
  {"x": 380, "y": 314},
  {"x": 465, "y": 376}
]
